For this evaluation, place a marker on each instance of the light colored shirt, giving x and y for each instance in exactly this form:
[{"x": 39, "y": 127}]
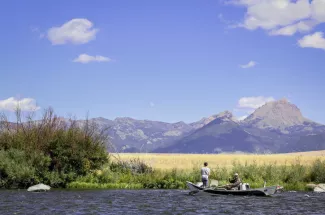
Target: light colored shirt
[{"x": 205, "y": 172}]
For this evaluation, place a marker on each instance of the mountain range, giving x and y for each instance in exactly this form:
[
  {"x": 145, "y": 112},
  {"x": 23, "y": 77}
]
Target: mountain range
[{"x": 275, "y": 127}]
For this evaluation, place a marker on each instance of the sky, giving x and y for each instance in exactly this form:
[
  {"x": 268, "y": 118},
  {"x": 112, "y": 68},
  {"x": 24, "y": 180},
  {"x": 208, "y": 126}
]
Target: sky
[{"x": 161, "y": 60}]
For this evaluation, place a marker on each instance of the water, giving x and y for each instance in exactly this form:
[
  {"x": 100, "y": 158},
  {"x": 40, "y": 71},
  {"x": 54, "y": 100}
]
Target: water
[{"x": 155, "y": 202}]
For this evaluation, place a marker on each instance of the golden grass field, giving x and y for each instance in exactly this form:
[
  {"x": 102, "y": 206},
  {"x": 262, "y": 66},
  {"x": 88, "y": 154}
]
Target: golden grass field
[{"x": 188, "y": 161}]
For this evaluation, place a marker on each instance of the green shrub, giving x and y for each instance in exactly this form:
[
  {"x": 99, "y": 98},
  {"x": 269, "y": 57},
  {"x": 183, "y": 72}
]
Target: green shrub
[
  {"x": 50, "y": 150},
  {"x": 135, "y": 166},
  {"x": 15, "y": 169},
  {"x": 317, "y": 172}
]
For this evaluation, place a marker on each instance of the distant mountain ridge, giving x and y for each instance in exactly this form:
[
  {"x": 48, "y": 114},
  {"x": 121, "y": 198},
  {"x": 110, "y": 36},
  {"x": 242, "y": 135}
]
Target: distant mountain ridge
[
  {"x": 131, "y": 135},
  {"x": 277, "y": 126}
]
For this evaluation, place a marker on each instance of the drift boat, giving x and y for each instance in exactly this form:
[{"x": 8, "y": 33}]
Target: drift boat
[{"x": 243, "y": 191}]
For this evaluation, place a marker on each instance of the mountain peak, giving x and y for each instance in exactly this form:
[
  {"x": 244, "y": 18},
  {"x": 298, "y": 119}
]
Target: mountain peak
[
  {"x": 283, "y": 100},
  {"x": 101, "y": 119},
  {"x": 276, "y": 114},
  {"x": 225, "y": 115},
  {"x": 124, "y": 119}
]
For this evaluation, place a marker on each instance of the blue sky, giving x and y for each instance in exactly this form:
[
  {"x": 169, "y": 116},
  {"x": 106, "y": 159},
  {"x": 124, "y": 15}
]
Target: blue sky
[{"x": 162, "y": 60}]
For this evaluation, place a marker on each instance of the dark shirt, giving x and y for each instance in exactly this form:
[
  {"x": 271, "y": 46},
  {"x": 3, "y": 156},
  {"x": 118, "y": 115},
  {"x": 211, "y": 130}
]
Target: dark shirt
[{"x": 235, "y": 180}]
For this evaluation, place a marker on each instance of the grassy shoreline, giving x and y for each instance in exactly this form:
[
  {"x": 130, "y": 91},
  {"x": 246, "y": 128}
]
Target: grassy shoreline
[
  {"x": 293, "y": 177},
  {"x": 135, "y": 174}
]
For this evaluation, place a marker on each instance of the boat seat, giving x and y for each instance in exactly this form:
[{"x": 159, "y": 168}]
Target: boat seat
[
  {"x": 239, "y": 186},
  {"x": 246, "y": 185}
]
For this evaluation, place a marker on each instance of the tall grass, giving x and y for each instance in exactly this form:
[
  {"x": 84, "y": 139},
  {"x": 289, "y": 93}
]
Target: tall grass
[
  {"x": 292, "y": 177},
  {"x": 188, "y": 161},
  {"x": 51, "y": 150}
]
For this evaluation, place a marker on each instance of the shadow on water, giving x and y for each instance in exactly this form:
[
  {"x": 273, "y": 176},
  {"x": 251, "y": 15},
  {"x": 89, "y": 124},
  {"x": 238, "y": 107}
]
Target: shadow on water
[{"x": 155, "y": 202}]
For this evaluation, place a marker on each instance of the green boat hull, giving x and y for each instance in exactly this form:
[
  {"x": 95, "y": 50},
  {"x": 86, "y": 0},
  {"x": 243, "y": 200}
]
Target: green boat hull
[{"x": 264, "y": 191}]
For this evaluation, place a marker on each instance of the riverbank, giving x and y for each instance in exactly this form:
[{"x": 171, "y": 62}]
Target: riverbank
[{"x": 135, "y": 174}]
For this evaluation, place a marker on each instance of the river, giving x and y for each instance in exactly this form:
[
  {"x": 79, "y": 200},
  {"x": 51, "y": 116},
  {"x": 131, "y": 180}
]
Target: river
[{"x": 155, "y": 202}]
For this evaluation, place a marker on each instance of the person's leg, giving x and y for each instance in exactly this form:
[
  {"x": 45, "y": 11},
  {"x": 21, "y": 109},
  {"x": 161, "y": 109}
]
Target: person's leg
[
  {"x": 234, "y": 185},
  {"x": 237, "y": 184},
  {"x": 229, "y": 186},
  {"x": 205, "y": 182}
]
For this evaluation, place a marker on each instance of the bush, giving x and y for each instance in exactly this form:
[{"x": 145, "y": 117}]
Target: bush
[
  {"x": 50, "y": 150},
  {"x": 317, "y": 172},
  {"x": 135, "y": 166},
  {"x": 16, "y": 170}
]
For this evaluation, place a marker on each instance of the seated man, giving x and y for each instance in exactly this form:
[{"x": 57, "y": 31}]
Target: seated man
[{"x": 235, "y": 182}]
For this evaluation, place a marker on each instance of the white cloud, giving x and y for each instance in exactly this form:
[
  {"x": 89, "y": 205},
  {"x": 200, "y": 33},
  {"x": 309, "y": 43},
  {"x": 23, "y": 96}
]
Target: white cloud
[
  {"x": 152, "y": 104},
  {"x": 242, "y": 2},
  {"x": 248, "y": 65},
  {"x": 282, "y": 17},
  {"x": 75, "y": 31},
  {"x": 242, "y": 117},
  {"x": 84, "y": 58},
  {"x": 253, "y": 102},
  {"x": 247, "y": 105},
  {"x": 25, "y": 104},
  {"x": 292, "y": 29},
  {"x": 318, "y": 10},
  {"x": 315, "y": 40}
]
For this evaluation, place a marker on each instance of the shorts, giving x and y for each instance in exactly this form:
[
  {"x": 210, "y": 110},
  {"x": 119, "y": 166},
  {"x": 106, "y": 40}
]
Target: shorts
[{"x": 205, "y": 182}]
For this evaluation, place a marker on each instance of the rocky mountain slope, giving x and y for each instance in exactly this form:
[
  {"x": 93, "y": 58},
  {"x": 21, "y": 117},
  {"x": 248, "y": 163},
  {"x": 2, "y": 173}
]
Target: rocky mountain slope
[
  {"x": 131, "y": 135},
  {"x": 221, "y": 134},
  {"x": 281, "y": 116},
  {"x": 275, "y": 115},
  {"x": 277, "y": 126}
]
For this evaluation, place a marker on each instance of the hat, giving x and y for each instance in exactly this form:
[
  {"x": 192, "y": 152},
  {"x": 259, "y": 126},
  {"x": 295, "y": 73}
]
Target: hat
[{"x": 236, "y": 174}]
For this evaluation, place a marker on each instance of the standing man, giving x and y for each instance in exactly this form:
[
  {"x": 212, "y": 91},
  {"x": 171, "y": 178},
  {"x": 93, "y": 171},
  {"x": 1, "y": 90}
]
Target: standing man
[{"x": 205, "y": 172}]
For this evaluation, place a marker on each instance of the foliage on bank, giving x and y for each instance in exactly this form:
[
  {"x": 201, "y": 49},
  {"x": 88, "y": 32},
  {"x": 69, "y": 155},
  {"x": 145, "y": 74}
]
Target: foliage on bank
[
  {"x": 135, "y": 172},
  {"x": 51, "y": 150}
]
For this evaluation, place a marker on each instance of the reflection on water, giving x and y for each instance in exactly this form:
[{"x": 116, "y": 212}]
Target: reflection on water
[{"x": 155, "y": 202}]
